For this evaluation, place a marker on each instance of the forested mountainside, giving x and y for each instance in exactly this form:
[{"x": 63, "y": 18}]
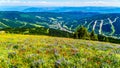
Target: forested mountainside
[
  {"x": 64, "y": 21},
  {"x": 106, "y": 24}
]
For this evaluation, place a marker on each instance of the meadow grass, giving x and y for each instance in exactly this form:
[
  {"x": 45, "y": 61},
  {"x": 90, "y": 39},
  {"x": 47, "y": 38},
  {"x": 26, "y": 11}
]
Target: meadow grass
[{"x": 30, "y": 51}]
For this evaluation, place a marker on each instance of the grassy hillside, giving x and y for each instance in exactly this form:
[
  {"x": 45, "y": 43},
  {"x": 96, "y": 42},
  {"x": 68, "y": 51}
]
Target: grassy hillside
[{"x": 17, "y": 51}]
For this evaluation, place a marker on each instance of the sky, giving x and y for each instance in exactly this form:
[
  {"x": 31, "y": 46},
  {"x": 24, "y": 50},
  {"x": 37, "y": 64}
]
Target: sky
[{"x": 74, "y": 3}]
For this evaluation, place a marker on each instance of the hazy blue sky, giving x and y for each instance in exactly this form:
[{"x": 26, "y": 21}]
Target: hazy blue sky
[{"x": 60, "y": 2}]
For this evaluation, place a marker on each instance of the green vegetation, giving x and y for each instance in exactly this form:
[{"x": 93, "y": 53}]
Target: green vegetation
[
  {"x": 38, "y": 31},
  {"x": 30, "y": 51},
  {"x": 112, "y": 28},
  {"x": 62, "y": 20},
  {"x": 82, "y": 33},
  {"x": 23, "y": 44},
  {"x": 108, "y": 39},
  {"x": 93, "y": 36}
]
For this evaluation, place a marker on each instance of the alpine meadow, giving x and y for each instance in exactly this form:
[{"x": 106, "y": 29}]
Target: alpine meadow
[{"x": 59, "y": 34}]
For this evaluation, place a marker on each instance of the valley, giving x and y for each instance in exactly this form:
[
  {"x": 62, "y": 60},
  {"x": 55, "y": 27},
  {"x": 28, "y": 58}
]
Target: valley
[
  {"x": 105, "y": 24},
  {"x": 59, "y": 37}
]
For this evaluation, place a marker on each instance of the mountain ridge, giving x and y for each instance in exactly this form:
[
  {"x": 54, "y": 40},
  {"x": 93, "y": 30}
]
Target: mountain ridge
[{"x": 61, "y": 9}]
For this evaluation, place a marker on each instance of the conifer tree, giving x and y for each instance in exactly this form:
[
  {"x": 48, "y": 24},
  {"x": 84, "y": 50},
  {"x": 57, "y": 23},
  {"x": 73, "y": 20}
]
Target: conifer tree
[
  {"x": 93, "y": 36},
  {"x": 106, "y": 39},
  {"x": 82, "y": 33}
]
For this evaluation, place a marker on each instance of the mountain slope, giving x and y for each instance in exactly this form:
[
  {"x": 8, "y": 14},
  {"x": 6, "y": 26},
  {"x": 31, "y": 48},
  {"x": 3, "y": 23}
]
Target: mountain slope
[
  {"x": 43, "y": 51},
  {"x": 62, "y": 21},
  {"x": 106, "y": 24}
]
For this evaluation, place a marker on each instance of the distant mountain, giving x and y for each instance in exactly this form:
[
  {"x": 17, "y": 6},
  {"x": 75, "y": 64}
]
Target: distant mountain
[
  {"x": 61, "y": 9},
  {"x": 13, "y": 8},
  {"x": 69, "y": 9}
]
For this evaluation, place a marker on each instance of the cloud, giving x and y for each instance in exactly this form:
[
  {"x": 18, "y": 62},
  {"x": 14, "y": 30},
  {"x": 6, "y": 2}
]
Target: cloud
[
  {"x": 21, "y": 3},
  {"x": 59, "y": 3}
]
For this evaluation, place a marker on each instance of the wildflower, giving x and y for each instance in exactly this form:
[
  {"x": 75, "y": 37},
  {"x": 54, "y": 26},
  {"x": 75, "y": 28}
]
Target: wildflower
[{"x": 11, "y": 54}]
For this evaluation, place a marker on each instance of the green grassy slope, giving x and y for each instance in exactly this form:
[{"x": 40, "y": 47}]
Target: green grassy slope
[{"x": 25, "y": 51}]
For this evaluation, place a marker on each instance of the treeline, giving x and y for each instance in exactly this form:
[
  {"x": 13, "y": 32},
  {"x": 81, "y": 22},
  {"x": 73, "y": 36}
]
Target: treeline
[
  {"x": 82, "y": 33},
  {"x": 38, "y": 31}
]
